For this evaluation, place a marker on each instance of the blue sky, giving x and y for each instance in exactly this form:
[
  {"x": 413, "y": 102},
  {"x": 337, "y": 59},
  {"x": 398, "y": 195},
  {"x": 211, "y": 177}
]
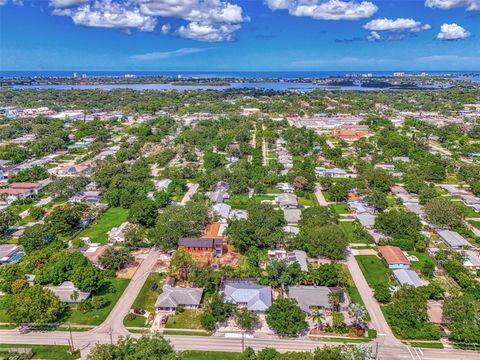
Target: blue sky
[{"x": 283, "y": 35}]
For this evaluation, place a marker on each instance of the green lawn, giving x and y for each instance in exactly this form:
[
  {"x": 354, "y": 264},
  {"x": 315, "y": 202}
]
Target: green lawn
[
  {"x": 469, "y": 212},
  {"x": 423, "y": 258},
  {"x": 308, "y": 200},
  {"x": 391, "y": 201},
  {"x": 242, "y": 201},
  {"x": 373, "y": 269},
  {"x": 50, "y": 352},
  {"x": 189, "y": 319},
  {"x": 341, "y": 208},
  {"x": 146, "y": 297},
  {"x": 349, "y": 228},
  {"x": 209, "y": 355},
  {"x": 138, "y": 321},
  {"x": 96, "y": 317},
  {"x": 97, "y": 232},
  {"x": 273, "y": 190}
]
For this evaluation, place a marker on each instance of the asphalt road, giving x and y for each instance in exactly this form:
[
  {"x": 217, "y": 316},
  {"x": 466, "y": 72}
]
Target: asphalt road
[{"x": 377, "y": 320}]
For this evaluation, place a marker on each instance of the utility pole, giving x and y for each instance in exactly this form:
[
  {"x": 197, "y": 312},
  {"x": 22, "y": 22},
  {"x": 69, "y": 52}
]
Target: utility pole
[
  {"x": 110, "y": 333},
  {"x": 71, "y": 337},
  {"x": 243, "y": 341}
]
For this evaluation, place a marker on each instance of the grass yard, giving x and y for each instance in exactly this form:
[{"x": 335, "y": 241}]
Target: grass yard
[
  {"x": 50, "y": 352},
  {"x": 96, "y": 317},
  {"x": 189, "y": 319},
  {"x": 349, "y": 228},
  {"x": 97, "y": 232},
  {"x": 209, "y": 355},
  {"x": 273, "y": 190},
  {"x": 423, "y": 258},
  {"x": 475, "y": 224},
  {"x": 136, "y": 321},
  {"x": 391, "y": 201},
  {"x": 146, "y": 297},
  {"x": 341, "y": 208},
  {"x": 469, "y": 212},
  {"x": 308, "y": 200},
  {"x": 242, "y": 201},
  {"x": 373, "y": 269}
]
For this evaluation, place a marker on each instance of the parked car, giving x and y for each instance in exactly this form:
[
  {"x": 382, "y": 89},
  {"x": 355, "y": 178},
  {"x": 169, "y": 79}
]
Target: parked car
[
  {"x": 164, "y": 319},
  {"x": 139, "y": 311},
  {"x": 154, "y": 286}
]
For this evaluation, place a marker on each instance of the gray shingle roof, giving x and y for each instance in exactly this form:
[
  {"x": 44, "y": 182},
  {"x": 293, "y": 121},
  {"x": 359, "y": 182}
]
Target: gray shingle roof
[
  {"x": 408, "y": 277},
  {"x": 308, "y": 296},
  {"x": 172, "y": 297},
  {"x": 453, "y": 239}
]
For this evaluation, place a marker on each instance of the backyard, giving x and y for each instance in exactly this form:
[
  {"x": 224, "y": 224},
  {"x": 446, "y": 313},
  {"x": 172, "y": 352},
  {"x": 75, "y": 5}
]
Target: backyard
[
  {"x": 209, "y": 355},
  {"x": 97, "y": 232},
  {"x": 373, "y": 269},
  {"x": 355, "y": 233}
]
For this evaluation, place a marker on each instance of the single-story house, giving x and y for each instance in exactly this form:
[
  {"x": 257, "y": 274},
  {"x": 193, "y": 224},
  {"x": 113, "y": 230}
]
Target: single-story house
[
  {"x": 408, "y": 277},
  {"x": 162, "y": 185},
  {"x": 397, "y": 189},
  {"x": 366, "y": 219},
  {"x": 287, "y": 201},
  {"x": 117, "y": 234},
  {"x": 472, "y": 261},
  {"x": 313, "y": 296},
  {"x": 291, "y": 229},
  {"x": 218, "y": 196},
  {"x": 195, "y": 245},
  {"x": 94, "y": 252},
  {"x": 292, "y": 216},
  {"x": 470, "y": 200},
  {"x": 286, "y": 187},
  {"x": 394, "y": 257},
  {"x": 416, "y": 209},
  {"x": 66, "y": 293},
  {"x": 248, "y": 294},
  {"x": 386, "y": 167},
  {"x": 290, "y": 257},
  {"x": 173, "y": 297},
  {"x": 222, "y": 210},
  {"x": 453, "y": 239},
  {"x": 237, "y": 214},
  {"x": 453, "y": 190},
  {"x": 400, "y": 159},
  {"x": 10, "y": 253},
  {"x": 91, "y": 196},
  {"x": 85, "y": 169}
]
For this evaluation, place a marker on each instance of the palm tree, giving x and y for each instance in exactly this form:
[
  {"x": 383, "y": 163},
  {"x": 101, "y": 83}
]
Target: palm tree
[
  {"x": 74, "y": 295},
  {"x": 318, "y": 316},
  {"x": 334, "y": 300},
  {"x": 358, "y": 313}
]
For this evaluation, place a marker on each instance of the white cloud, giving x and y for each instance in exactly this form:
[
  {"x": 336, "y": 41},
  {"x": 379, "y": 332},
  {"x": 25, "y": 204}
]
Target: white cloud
[
  {"x": 374, "y": 36},
  {"x": 166, "y": 54},
  {"x": 448, "y": 59},
  {"x": 470, "y": 5},
  {"x": 14, "y": 2},
  {"x": 66, "y": 3},
  {"x": 207, "y": 20},
  {"x": 400, "y": 25},
  {"x": 325, "y": 9},
  {"x": 452, "y": 32},
  {"x": 109, "y": 14},
  {"x": 208, "y": 32},
  {"x": 166, "y": 28}
]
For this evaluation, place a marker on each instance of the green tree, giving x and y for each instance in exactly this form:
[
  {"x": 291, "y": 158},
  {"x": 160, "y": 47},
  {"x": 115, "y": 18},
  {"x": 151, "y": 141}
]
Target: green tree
[
  {"x": 115, "y": 259},
  {"x": 442, "y": 212},
  {"x": 329, "y": 241},
  {"x": 382, "y": 293},
  {"x": 246, "y": 320},
  {"x": 35, "y": 305},
  {"x": 36, "y": 237},
  {"x": 88, "y": 278},
  {"x": 147, "y": 347},
  {"x": 318, "y": 316},
  {"x": 7, "y": 219},
  {"x": 143, "y": 212},
  {"x": 262, "y": 229},
  {"x": 285, "y": 317},
  {"x": 316, "y": 216},
  {"x": 180, "y": 263},
  {"x": 9, "y": 274}
]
